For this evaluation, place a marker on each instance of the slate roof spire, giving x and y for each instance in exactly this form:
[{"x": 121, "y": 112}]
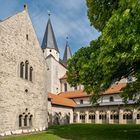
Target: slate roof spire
[
  {"x": 67, "y": 53},
  {"x": 49, "y": 40}
]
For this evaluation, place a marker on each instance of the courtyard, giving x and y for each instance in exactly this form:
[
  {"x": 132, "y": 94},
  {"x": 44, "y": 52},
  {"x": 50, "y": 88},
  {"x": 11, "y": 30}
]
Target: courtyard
[{"x": 85, "y": 132}]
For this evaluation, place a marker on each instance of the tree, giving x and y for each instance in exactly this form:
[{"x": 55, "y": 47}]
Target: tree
[{"x": 115, "y": 54}]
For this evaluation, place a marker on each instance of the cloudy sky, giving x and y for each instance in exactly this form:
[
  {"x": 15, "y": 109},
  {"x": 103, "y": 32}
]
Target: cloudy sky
[{"x": 68, "y": 17}]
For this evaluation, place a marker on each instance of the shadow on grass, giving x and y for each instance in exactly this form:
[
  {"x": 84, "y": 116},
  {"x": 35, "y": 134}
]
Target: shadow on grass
[{"x": 96, "y": 132}]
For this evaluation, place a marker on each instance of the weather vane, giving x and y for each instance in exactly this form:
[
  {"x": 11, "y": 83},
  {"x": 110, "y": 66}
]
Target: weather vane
[
  {"x": 67, "y": 38},
  {"x": 49, "y": 13}
]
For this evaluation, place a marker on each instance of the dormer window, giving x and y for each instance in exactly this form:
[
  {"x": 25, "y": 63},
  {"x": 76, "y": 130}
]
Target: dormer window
[
  {"x": 111, "y": 99},
  {"x": 81, "y": 101}
]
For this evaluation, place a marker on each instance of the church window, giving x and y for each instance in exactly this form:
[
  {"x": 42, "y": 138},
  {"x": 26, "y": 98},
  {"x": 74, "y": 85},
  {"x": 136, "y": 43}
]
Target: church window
[
  {"x": 65, "y": 87},
  {"x": 31, "y": 74},
  {"x": 50, "y": 50},
  {"x": 20, "y": 120},
  {"x": 25, "y": 120},
  {"x": 111, "y": 99},
  {"x": 21, "y": 69},
  {"x": 81, "y": 101},
  {"x": 26, "y": 70}
]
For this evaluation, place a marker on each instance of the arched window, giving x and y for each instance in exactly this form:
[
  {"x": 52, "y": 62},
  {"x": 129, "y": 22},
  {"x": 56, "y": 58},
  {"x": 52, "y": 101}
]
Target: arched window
[
  {"x": 30, "y": 120},
  {"x": 20, "y": 120},
  {"x": 26, "y": 70},
  {"x": 65, "y": 87},
  {"x": 25, "y": 120},
  {"x": 114, "y": 115},
  {"x": 91, "y": 116},
  {"x": 127, "y": 115},
  {"x": 21, "y": 69},
  {"x": 31, "y": 74},
  {"x": 102, "y": 115},
  {"x": 111, "y": 99}
]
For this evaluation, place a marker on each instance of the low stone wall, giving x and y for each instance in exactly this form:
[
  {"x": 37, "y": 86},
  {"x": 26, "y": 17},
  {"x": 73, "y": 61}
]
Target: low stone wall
[{"x": 22, "y": 131}]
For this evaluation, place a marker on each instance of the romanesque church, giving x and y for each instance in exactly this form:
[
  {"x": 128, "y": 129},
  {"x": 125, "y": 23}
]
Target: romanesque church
[{"x": 34, "y": 92}]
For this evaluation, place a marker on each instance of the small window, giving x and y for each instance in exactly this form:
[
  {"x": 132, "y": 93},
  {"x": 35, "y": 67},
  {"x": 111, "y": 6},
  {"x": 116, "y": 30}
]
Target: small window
[
  {"x": 111, "y": 99},
  {"x": 27, "y": 36},
  {"x": 21, "y": 69},
  {"x": 30, "y": 120},
  {"x": 81, "y": 101},
  {"x": 25, "y": 120},
  {"x": 65, "y": 87},
  {"x": 26, "y": 70},
  {"x": 138, "y": 116},
  {"x": 31, "y": 74},
  {"x": 50, "y": 50},
  {"x": 75, "y": 87},
  {"x": 20, "y": 120}
]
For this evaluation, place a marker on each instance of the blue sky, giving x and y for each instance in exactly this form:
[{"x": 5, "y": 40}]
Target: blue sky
[{"x": 68, "y": 17}]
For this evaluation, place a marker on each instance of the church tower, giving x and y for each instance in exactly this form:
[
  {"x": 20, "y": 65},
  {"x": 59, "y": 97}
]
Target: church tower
[
  {"x": 67, "y": 53},
  {"x": 49, "y": 44}
]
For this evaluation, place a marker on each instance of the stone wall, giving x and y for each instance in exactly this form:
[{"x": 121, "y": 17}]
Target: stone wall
[{"x": 18, "y": 43}]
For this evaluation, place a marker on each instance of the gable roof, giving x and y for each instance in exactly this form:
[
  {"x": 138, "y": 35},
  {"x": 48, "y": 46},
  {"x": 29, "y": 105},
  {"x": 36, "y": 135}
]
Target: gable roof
[
  {"x": 58, "y": 100},
  {"x": 49, "y": 40}
]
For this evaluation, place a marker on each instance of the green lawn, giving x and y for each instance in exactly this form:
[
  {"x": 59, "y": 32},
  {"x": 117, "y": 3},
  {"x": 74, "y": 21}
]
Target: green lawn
[{"x": 85, "y": 132}]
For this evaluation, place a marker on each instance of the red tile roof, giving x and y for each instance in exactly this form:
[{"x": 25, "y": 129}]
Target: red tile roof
[
  {"x": 74, "y": 94},
  {"x": 115, "y": 88},
  {"x": 66, "y": 98},
  {"x": 58, "y": 100}
]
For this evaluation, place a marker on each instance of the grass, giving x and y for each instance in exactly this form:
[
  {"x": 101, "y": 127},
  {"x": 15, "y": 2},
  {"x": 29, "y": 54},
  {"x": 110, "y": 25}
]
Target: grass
[{"x": 85, "y": 132}]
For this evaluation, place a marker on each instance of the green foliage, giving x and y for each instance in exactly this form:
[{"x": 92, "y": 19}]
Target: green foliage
[
  {"x": 99, "y": 12},
  {"x": 116, "y": 53}
]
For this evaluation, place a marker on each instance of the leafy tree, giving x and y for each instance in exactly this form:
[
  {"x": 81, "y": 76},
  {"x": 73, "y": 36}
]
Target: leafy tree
[{"x": 116, "y": 53}]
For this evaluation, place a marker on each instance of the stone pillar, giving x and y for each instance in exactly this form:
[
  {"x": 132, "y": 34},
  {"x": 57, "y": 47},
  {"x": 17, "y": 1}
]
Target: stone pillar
[
  {"x": 108, "y": 117},
  {"x": 78, "y": 117},
  {"x": 71, "y": 117},
  {"x": 121, "y": 116},
  {"x": 97, "y": 116},
  {"x": 87, "y": 116},
  {"x": 134, "y": 116}
]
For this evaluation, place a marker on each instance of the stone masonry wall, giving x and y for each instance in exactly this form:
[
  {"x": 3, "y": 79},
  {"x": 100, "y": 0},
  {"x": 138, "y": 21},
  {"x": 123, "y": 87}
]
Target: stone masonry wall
[{"x": 14, "y": 49}]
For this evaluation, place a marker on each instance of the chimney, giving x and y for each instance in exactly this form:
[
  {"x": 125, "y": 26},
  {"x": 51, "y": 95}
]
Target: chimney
[{"x": 25, "y": 7}]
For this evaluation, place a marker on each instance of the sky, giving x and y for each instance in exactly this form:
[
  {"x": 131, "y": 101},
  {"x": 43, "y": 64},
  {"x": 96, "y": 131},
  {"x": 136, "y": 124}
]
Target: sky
[{"x": 68, "y": 17}]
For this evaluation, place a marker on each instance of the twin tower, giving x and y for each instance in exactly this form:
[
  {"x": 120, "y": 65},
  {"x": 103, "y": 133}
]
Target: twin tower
[
  {"x": 49, "y": 45},
  {"x": 57, "y": 67}
]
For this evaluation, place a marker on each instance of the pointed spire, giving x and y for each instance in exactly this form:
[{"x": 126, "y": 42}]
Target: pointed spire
[
  {"x": 67, "y": 53},
  {"x": 49, "y": 40}
]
